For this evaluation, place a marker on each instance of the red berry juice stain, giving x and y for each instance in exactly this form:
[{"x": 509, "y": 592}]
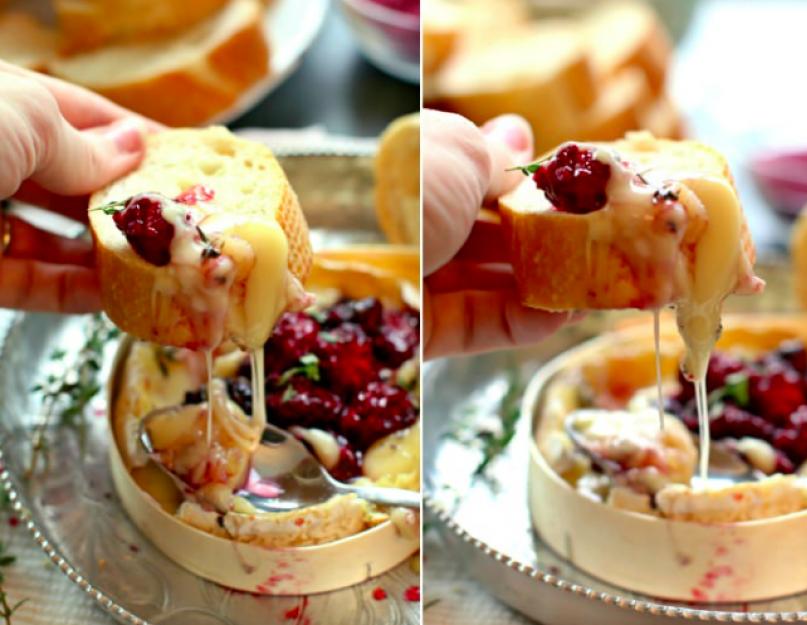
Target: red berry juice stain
[
  {"x": 412, "y": 593},
  {"x": 379, "y": 594}
]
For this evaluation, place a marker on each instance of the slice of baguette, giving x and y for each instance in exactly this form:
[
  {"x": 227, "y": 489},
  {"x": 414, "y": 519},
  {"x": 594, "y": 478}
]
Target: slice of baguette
[
  {"x": 539, "y": 71},
  {"x": 618, "y": 108},
  {"x": 628, "y": 34},
  {"x": 26, "y": 42},
  {"x": 556, "y": 267},
  {"x": 249, "y": 184},
  {"x": 181, "y": 81},
  {"x": 397, "y": 177},
  {"x": 89, "y": 24}
]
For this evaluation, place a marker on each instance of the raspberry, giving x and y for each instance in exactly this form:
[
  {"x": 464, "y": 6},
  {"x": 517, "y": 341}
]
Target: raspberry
[
  {"x": 793, "y": 353},
  {"x": 776, "y": 393},
  {"x": 303, "y": 403},
  {"x": 346, "y": 360},
  {"x": 735, "y": 422},
  {"x": 294, "y": 335},
  {"x": 720, "y": 367},
  {"x": 349, "y": 464},
  {"x": 398, "y": 338},
  {"x": 366, "y": 312},
  {"x": 573, "y": 180},
  {"x": 197, "y": 193},
  {"x": 142, "y": 223},
  {"x": 378, "y": 410}
]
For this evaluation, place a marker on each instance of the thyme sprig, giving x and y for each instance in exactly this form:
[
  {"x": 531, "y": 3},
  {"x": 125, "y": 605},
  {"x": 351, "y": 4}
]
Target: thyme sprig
[
  {"x": 494, "y": 442},
  {"x": 110, "y": 208},
  {"x": 7, "y": 610},
  {"x": 491, "y": 431},
  {"x": 529, "y": 170},
  {"x": 66, "y": 395}
]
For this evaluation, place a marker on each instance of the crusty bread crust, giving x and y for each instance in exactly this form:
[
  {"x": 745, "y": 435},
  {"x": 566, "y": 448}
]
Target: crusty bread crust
[
  {"x": 483, "y": 81},
  {"x": 228, "y": 165},
  {"x": 196, "y": 88},
  {"x": 551, "y": 250},
  {"x": 397, "y": 178}
]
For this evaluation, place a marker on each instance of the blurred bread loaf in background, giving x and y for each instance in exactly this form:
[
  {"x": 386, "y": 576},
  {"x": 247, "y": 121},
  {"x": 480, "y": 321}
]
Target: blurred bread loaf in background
[
  {"x": 397, "y": 181},
  {"x": 590, "y": 75},
  {"x": 89, "y": 24},
  {"x": 179, "y": 62},
  {"x": 184, "y": 80},
  {"x": 25, "y": 41}
]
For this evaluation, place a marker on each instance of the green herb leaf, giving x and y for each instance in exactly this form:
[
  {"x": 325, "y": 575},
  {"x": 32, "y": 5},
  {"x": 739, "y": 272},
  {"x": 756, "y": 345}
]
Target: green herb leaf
[
  {"x": 111, "y": 207},
  {"x": 309, "y": 367},
  {"x": 288, "y": 394},
  {"x": 328, "y": 337},
  {"x": 493, "y": 444},
  {"x": 529, "y": 170},
  {"x": 735, "y": 388}
]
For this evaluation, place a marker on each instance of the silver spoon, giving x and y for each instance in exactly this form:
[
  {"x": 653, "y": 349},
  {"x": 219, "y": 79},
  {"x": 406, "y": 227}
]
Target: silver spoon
[
  {"x": 726, "y": 466},
  {"x": 282, "y": 463}
]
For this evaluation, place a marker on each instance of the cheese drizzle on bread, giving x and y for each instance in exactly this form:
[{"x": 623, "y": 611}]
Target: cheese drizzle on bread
[
  {"x": 671, "y": 233},
  {"x": 239, "y": 248}
]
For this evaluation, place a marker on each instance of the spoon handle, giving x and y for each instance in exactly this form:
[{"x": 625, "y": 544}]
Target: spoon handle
[{"x": 384, "y": 496}]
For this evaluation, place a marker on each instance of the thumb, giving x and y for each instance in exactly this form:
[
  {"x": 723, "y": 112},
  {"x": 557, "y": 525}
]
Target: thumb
[
  {"x": 80, "y": 162},
  {"x": 510, "y": 143}
]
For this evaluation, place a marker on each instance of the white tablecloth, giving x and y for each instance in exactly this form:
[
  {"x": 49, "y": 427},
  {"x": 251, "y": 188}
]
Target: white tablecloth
[{"x": 451, "y": 597}]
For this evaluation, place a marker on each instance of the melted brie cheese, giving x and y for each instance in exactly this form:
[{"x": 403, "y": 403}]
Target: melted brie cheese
[{"x": 686, "y": 249}]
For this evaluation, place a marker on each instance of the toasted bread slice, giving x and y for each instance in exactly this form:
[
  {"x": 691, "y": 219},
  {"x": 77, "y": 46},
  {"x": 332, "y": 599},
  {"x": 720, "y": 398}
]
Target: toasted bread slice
[
  {"x": 26, "y": 42},
  {"x": 628, "y": 34},
  {"x": 89, "y": 24},
  {"x": 397, "y": 176},
  {"x": 260, "y": 229},
  {"x": 562, "y": 264},
  {"x": 185, "y": 80},
  {"x": 671, "y": 232},
  {"x": 540, "y": 71}
]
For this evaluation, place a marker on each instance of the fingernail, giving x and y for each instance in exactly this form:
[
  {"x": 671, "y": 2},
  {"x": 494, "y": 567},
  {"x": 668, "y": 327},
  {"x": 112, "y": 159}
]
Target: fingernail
[
  {"x": 127, "y": 135},
  {"x": 510, "y": 130}
]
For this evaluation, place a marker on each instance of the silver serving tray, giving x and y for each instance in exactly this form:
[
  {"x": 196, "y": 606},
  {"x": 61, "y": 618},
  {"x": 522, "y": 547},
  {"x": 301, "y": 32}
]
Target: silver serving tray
[
  {"x": 71, "y": 509},
  {"x": 487, "y": 523}
]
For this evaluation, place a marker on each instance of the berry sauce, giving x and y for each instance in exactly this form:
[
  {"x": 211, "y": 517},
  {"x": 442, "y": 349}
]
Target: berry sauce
[
  {"x": 573, "y": 180},
  {"x": 334, "y": 370},
  {"x": 763, "y": 398},
  {"x": 142, "y": 223}
]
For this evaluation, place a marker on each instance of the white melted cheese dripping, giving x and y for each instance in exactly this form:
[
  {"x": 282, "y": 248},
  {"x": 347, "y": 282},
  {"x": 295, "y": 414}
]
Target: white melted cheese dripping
[
  {"x": 237, "y": 295},
  {"x": 649, "y": 231}
]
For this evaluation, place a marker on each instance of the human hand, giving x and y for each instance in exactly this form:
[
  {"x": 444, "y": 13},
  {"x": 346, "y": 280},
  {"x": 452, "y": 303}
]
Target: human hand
[
  {"x": 470, "y": 303},
  {"x": 58, "y": 143}
]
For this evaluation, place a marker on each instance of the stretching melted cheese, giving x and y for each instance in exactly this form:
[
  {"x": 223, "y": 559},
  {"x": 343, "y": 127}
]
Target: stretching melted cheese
[
  {"x": 682, "y": 233},
  {"x": 236, "y": 293}
]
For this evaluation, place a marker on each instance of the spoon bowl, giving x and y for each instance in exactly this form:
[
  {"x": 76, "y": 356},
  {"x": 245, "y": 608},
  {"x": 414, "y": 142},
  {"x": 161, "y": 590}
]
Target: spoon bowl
[{"x": 284, "y": 474}]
